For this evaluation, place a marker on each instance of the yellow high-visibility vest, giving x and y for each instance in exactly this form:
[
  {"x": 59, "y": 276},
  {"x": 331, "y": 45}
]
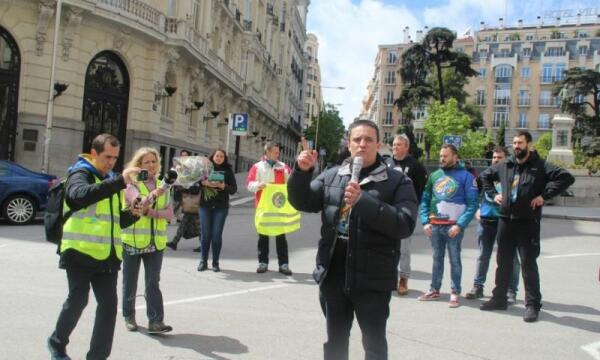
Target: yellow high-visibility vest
[
  {"x": 139, "y": 235},
  {"x": 274, "y": 213},
  {"x": 88, "y": 230}
]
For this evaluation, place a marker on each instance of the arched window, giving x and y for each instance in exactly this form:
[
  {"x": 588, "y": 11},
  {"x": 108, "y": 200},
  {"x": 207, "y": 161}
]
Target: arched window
[
  {"x": 10, "y": 67},
  {"x": 105, "y": 100}
]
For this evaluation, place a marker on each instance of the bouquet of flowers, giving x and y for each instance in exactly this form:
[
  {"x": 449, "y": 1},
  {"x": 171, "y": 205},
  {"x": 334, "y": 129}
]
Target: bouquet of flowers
[{"x": 192, "y": 169}]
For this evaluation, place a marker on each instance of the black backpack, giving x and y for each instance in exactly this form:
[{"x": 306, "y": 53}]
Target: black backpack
[{"x": 54, "y": 218}]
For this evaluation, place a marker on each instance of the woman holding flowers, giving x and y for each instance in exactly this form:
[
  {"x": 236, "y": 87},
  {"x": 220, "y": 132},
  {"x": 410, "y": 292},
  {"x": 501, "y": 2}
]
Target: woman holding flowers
[{"x": 214, "y": 207}]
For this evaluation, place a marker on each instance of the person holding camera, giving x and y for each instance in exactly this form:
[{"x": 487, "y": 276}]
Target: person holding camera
[
  {"x": 146, "y": 240},
  {"x": 214, "y": 207},
  {"x": 90, "y": 249}
]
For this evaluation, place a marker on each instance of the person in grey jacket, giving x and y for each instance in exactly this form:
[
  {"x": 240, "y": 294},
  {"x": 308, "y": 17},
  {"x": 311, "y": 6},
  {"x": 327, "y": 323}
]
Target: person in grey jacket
[{"x": 362, "y": 225}]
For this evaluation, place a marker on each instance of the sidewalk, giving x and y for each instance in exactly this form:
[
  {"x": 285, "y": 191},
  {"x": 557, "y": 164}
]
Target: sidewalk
[{"x": 572, "y": 213}]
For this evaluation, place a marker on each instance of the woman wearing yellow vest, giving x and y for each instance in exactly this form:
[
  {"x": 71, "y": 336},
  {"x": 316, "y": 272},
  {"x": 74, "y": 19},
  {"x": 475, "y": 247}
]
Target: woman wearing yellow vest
[{"x": 145, "y": 241}]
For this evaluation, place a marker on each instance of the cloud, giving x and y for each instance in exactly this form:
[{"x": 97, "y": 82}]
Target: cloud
[{"x": 349, "y": 35}]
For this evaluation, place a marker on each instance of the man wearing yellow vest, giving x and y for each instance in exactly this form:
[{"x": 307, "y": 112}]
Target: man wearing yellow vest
[
  {"x": 90, "y": 249},
  {"x": 269, "y": 171}
]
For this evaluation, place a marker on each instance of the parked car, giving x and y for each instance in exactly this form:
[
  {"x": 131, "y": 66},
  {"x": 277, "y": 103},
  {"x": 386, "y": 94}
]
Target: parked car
[{"x": 22, "y": 192}]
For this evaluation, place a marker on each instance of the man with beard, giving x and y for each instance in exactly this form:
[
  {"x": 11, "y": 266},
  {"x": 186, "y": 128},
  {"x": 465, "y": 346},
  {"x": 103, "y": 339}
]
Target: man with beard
[
  {"x": 448, "y": 205},
  {"x": 527, "y": 182},
  {"x": 402, "y": 161}
]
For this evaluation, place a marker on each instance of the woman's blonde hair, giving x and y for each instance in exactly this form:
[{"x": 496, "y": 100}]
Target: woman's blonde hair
[{"x": 136, "y": 160}]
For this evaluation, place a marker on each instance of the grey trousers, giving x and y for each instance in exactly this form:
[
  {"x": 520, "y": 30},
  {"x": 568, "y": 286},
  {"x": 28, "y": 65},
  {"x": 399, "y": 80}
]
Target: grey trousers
[{"x": 404, "y": 264}]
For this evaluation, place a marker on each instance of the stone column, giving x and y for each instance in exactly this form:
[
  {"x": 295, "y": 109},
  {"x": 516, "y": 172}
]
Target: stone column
[{"x": 562, "y": 148}]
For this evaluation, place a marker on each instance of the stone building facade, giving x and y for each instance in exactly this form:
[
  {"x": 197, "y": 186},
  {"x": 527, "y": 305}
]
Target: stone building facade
[
  {"x": 314, "y": 97},
  {"x": 161, "y": 73}
]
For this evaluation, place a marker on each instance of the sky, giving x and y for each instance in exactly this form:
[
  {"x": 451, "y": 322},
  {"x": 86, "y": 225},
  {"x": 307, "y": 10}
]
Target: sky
[{"x": 349, "y": 32}]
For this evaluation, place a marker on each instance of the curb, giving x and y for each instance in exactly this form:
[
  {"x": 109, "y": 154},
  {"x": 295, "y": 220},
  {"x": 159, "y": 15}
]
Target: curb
[{"x": 571, "y": 217}]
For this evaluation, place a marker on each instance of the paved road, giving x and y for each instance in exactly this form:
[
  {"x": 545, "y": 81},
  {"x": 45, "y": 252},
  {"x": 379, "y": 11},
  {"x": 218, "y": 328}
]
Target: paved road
[{"x": 238, "y": 314}]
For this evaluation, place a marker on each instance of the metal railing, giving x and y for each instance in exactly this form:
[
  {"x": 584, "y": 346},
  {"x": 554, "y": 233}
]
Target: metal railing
[{"x": 136, "y": 9}]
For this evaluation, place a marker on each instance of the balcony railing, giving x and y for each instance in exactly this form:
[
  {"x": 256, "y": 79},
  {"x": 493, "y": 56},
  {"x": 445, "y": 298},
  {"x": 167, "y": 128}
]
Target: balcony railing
[
  {"x": 549, "y": 79},
  {"x": 135, "y": 9},
  {"x": 549, "y": 102},
  {"x": 524, "y": 101},
  {"x": 544, "y": 124},
  {"x": 502, "y": 101},
  {"x": 503, "y": 79}
]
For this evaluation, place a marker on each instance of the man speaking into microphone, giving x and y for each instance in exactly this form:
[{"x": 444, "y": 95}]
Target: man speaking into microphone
[{"x": 366, "y": 210}]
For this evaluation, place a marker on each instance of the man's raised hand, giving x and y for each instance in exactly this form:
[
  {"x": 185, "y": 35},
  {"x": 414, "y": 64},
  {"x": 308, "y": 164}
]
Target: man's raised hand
[{"x": 307, "y": 158}]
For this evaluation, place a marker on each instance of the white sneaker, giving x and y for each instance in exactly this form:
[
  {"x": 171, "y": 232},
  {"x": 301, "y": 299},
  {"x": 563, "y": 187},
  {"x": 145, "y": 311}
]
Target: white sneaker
[{"x": 453, "y": 301}]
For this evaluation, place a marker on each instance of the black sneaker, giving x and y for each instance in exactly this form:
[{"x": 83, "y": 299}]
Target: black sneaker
[
  {"x": 493, "y": 304},
  {"x": 158, "y": 327},
  {"x": 56, "y": 354},
  {"x": 531, "y": 314},
  {"x": 475, "y": 293},
  {"x": 216, "y": 268},
  {"x": 130, "y": 323},
  {"x": 198, "y": 249},
  {"x": 172, "y": 245},
  {"x": 203, "y": 266}
]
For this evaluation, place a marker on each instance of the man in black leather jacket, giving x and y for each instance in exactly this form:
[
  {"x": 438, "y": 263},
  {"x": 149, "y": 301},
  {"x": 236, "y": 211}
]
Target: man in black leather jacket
[
  {"x": 527, "y": 182},
  {"x": 363, "y": 223}
]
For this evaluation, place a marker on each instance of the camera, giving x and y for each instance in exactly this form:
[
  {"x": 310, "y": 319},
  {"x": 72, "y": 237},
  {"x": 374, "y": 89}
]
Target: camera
[{"x": 142, "y": 175}]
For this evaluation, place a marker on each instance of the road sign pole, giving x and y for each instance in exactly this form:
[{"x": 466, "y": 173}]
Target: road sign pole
[{"x": 229, "y": 124}]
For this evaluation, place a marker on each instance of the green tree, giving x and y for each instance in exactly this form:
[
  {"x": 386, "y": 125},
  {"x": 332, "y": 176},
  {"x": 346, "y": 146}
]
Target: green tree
[
  {"x": 444, "y": 119},
  {"x": 586, "y": 83},
  {"x": 501, "y": 134},
  {"x": 474, "y": 144},
  {"x": 543, "y": 144},
  {"x": 331, "y": 131}
]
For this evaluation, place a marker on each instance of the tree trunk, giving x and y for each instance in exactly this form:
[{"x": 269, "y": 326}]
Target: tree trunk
[{"x": 438, "y": 66}]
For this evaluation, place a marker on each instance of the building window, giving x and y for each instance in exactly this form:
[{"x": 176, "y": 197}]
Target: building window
[
  {"x": 419, "y": 114},
  {"x": 389, "y": 99},
  {"x": 500, "y": 117},
  {"x": 525, "y": 72},
  {"x": 487, "y": 38},
  {"x": 480, "y": 98},
  {"x": 391, "y": 78},
  {"x": 559, "y": 71},
  {"x": 172, "y": 8},
  {"x": 555, "y": 51},
  {"x": 503, "y": 73},
  {"x": 522, "y": 123},
  {"x": 524, "y": 98},
  {"x": 579, "y": 99},
  {"x": 544, "y": 121},
  {"x": 581, "y": 34},
  {"x": 196, "y": 15},
  {"x": 392, "y": 57},
  {"x": 583, "y": 50},
  {"x": 504, "y": 53},
  {"x": 502, "y": 96},
  {"x": 528, "y": 37},
  {"x": 482, "y": 72},
  {"x": 547, "y": 73},
  {"x": 526, "y": 52},
  {"x": 483, "y": 54},
  {"x": 389, "y": 120},
  {"x": 545, "y": 98}
]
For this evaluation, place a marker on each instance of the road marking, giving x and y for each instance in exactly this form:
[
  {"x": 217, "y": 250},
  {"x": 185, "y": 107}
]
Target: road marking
[
  {"x": 215, "y": 296},
  {"x": 241, "y": 201},
  {"x": 592, "y": 349},
  {"x": 570, "y": 255},
  {"x": 5, "y": 245}
]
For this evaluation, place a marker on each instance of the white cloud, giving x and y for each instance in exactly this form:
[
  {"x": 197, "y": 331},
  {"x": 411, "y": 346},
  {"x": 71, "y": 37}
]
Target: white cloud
[{"x": 348, "y": 38}]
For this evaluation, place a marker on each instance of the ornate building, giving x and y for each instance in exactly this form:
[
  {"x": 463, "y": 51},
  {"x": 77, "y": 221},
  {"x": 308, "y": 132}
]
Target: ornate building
[
  {"x": 517, "y": 66},
  {"x": 161, "y": 73},
  {"x": 314, "y": 97}
]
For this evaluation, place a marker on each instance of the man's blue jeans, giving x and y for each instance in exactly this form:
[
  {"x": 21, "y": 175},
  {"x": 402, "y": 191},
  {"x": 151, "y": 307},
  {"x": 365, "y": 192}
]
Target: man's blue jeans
[
  {"x": 440, "y": 240},
  {"x": 487, "y": 231},
  {"x": 213, "y": 221}
]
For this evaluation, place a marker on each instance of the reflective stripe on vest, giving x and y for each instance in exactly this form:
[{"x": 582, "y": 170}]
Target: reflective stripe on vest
[
  {"x": 139, "y": 235},
  {"x": 274, "y": 214},
  {"x": 88, "y": 230}
]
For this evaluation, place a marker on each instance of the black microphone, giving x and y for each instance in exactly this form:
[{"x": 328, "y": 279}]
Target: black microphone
[{"x": 168, "y": 180}]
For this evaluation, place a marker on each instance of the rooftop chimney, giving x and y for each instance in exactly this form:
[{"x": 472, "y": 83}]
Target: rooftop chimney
[
  {"x": 419, "y": 36},
  {"x": 482, "y": 25},
  {"x": 405, "y": 36},
  {"x": 578, "y": 19},
  {"x": 520, "y": 23},
  {"x": 501, "y": 20},
  {"x": 558, "y": 21},
  {"x": 540, "y": 22}
]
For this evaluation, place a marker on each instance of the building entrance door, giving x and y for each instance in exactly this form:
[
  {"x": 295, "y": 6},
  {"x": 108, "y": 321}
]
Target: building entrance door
[{"x": 10, "y": 67}]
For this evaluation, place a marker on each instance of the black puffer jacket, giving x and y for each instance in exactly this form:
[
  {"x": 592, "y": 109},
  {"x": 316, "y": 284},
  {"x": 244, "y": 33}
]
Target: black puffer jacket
[
  {"x": 384, "y": 214},
  {"x": 537, "y": 177}
]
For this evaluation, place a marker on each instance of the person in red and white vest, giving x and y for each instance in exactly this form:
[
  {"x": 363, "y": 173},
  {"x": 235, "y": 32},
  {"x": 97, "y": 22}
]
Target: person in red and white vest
[{"x": 269, "y": 170}]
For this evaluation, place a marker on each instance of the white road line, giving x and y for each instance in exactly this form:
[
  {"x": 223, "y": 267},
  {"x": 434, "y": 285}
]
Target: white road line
[
  {"x": 241, "y": 201},
  {"x": 592, "y": 349},
  {"x": 215, "y": 296},
  {"x": 569, "y": 255},
  {"x": 5, "y": 245}
]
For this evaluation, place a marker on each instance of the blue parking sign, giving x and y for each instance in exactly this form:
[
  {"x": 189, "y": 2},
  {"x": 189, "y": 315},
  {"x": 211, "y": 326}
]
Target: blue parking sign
[
  {"x": 455, "y": 140},
  {"x": 238, "y": 123}
]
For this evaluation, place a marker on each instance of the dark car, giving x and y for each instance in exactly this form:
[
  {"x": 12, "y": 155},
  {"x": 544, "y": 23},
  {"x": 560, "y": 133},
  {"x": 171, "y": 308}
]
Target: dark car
[{"x": 22, "y": 192}]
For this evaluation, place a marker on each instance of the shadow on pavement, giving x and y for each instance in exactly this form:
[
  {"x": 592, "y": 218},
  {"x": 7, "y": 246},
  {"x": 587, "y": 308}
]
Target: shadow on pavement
[
  {"x": 270, "y": 276},
  {"x": 203, "y": 344}
]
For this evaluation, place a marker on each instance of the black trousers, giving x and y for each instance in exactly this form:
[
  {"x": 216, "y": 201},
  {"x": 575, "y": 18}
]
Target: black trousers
[
  {"x": 372, "y": 309},
  {"x": 104, "y": 285},
  {"x": 522, "y": 236},
  {"x": 280, "y": 243}
]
